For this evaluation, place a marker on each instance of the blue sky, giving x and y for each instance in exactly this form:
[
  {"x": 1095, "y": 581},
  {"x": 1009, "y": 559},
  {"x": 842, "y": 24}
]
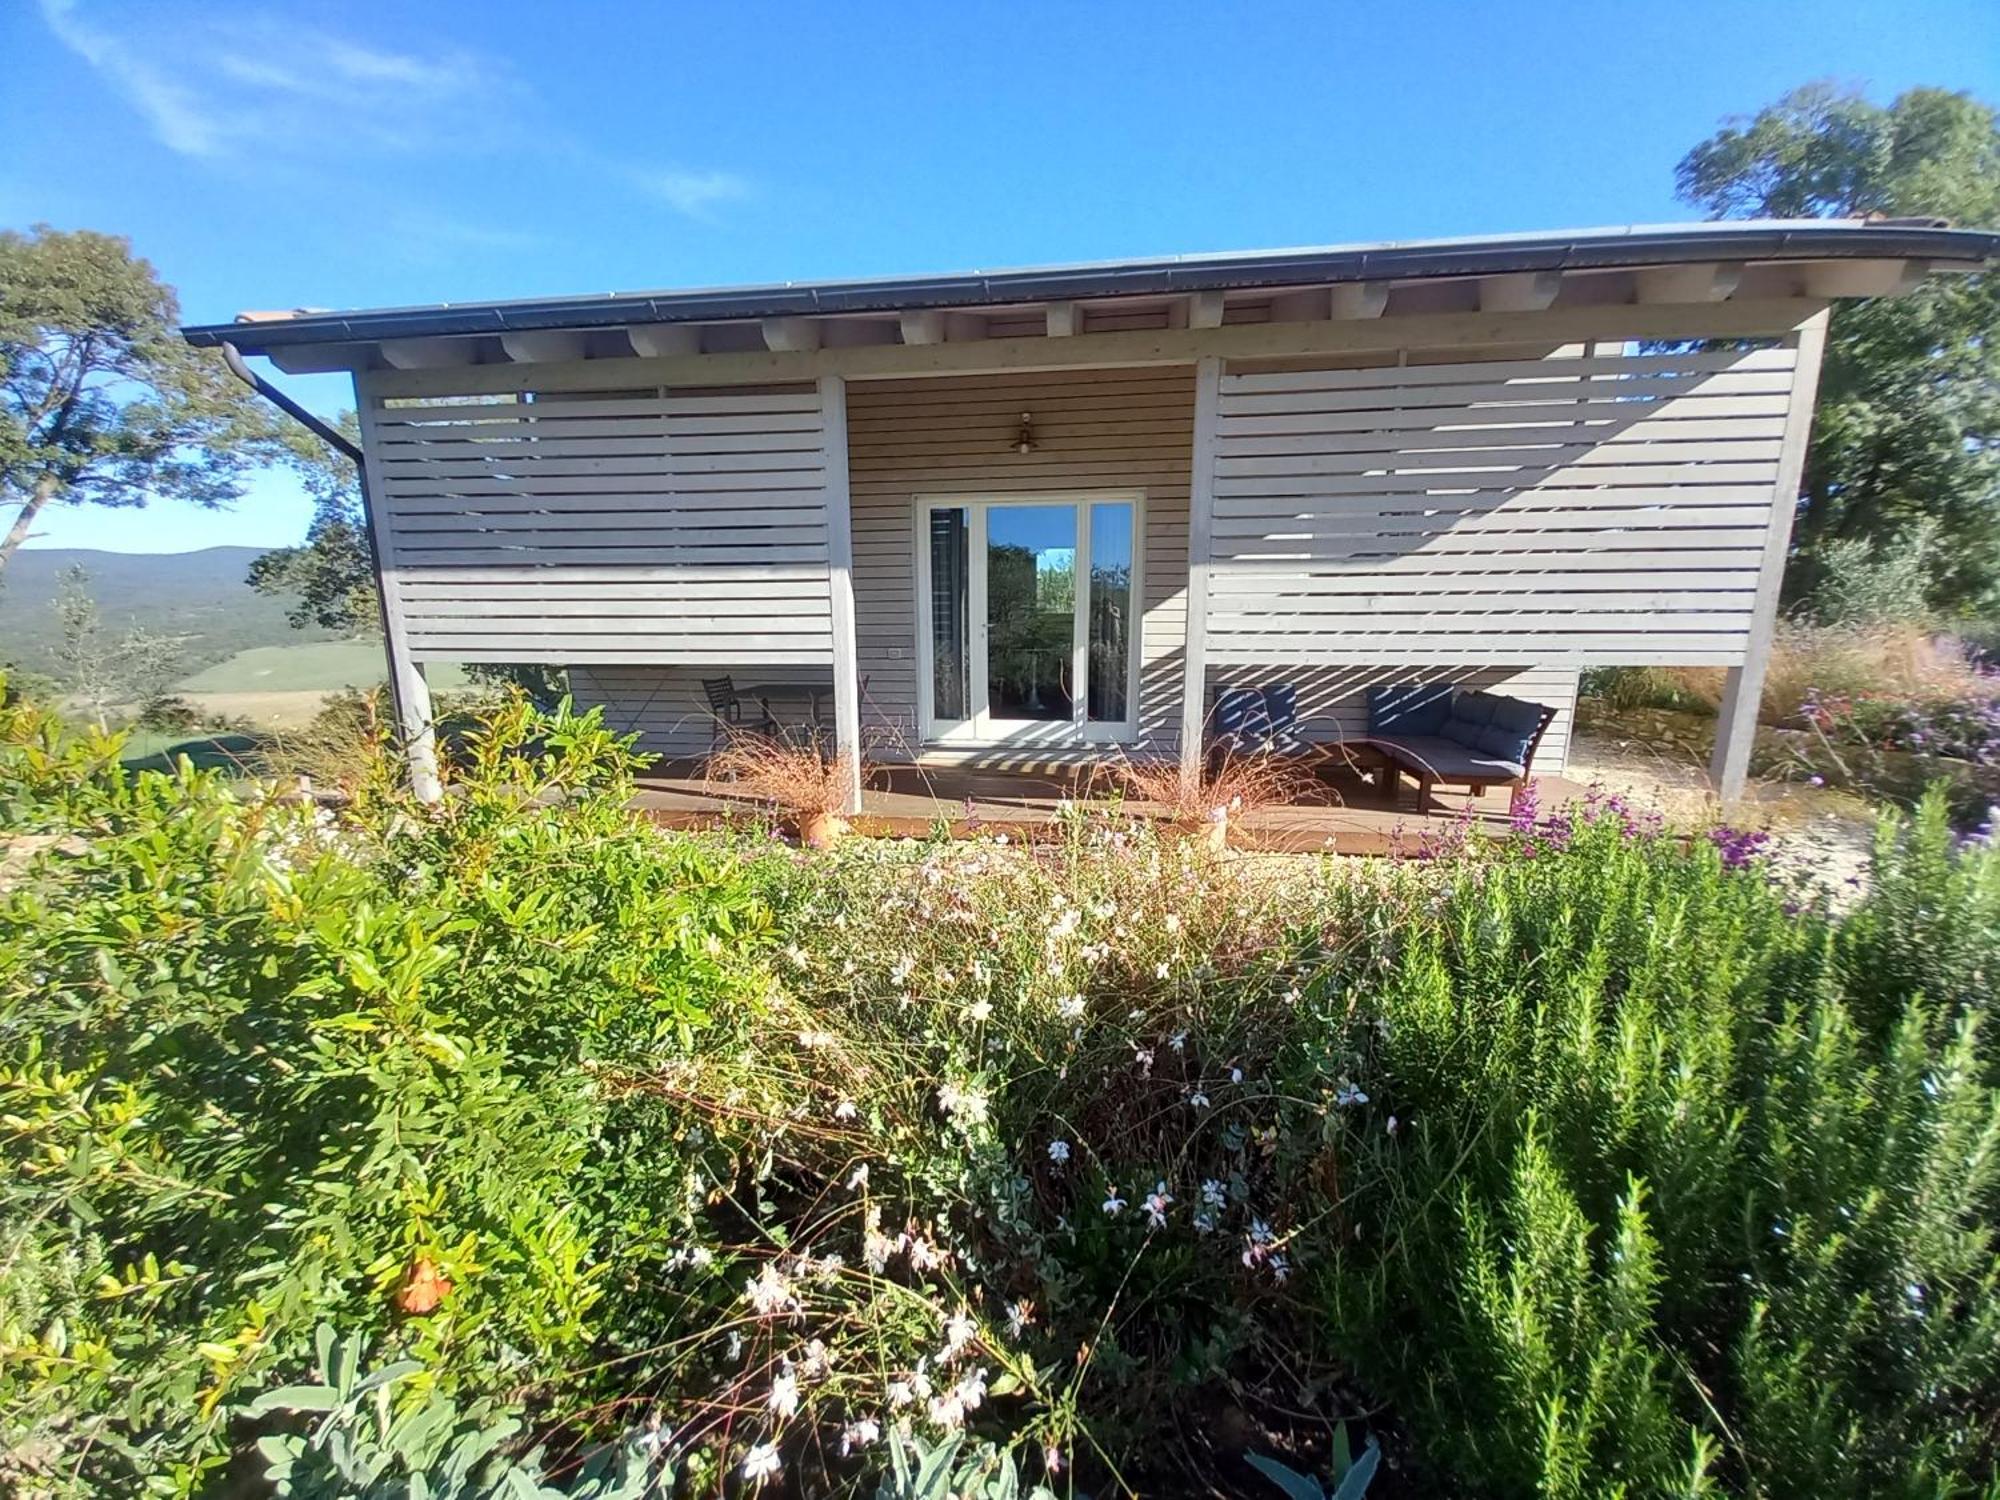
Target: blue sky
[{"x": 276, "y": 155}]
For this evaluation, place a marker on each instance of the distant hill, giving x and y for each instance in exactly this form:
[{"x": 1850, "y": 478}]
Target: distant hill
[{"x": 198, "y": 597}]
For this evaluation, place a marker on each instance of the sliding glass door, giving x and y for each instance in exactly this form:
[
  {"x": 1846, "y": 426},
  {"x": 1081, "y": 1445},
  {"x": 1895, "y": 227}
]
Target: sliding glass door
[{"x": 1029, "y": 619}]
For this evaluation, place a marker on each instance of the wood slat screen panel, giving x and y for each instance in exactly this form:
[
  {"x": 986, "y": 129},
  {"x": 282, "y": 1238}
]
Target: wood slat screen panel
[
  {"x": 629, "y": 527},
  {"x": 1553, "y": 512}
]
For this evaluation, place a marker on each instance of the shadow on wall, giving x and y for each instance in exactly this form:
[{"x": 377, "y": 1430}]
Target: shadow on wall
[{"x": 1600, "y": 503}]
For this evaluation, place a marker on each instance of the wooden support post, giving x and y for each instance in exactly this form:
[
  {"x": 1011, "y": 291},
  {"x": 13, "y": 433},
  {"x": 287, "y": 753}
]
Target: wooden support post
[
  {"x": 409, "y": 690},
  {"x": 1201, "y": 519},
  {"x": 416, "y": 725},
  {"x": 840, "y": 579},
  {"x": 1736, "y": 720}
]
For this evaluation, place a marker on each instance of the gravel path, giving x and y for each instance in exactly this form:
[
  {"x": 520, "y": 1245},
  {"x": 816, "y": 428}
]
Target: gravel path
[{"x": 1822, "y": 835}]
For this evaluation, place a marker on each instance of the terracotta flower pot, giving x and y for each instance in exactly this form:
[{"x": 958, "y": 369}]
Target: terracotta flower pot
[{"x": 822, "y": 830}]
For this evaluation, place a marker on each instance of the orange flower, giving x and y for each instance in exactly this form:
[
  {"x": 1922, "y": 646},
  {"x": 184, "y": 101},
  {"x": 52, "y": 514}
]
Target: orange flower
[{"x": 424, "y": 1287}]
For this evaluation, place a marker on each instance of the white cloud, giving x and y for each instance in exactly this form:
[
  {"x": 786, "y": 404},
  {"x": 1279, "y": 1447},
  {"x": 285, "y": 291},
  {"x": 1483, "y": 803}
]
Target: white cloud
[
  {"x": 285, "y": 94},
  {"x": 424, "y": 234},
  {"x": 213, "y": 86},
  {"x": 178, "y": 115},
  {"x": 696, "y": 194}
]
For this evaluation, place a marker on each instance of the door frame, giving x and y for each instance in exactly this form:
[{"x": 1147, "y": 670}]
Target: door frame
[{"x": 978, "y": 731}]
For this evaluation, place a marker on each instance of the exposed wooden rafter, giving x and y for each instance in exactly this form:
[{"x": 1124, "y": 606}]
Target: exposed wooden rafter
[
  {"x": 428, "y": 354},
  {"x": 319, "y": 359},
  {"x": 664, "y": 340},
  {"x": 1737, "y": 318},
  {"x": 923, "y": 326},
  {"x": 544, "y": 346},
  {"x": 1359, "y": 299},
  {"x": 1713, "y": 282},
  {"x": 1205, "y": 310},
  {"x": 791, "y": 335},
  {"x": 1519, "y": 291},
  {"x": 1865, "y": 278}
]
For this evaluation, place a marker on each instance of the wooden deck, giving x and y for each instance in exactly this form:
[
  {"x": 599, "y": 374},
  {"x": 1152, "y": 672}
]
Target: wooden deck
[{"x": 1340, "y": 814}]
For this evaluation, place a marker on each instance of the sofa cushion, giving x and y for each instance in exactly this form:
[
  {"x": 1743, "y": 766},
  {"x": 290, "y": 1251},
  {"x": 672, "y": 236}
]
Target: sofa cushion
[
  {"x": 1408, "y": 708},
  {"x": 1462, "y": 732},
  {"x": 1474, "y": 708},
  {"x": 1281, "y": 705},
  {"x": 1242, "y": 719},
  {"x": 1448, "y": 760},
  {"x": 1512, "y": 730}
]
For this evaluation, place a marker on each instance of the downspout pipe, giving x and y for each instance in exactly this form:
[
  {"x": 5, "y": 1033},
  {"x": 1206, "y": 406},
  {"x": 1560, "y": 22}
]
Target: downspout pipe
[
  {"x": 340, "y": 442},
  {"x": 318, "y": 426}
]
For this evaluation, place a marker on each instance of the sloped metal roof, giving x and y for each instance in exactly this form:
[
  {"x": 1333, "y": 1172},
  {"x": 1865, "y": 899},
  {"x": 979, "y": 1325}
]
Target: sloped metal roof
[{"x": 1570, "y": 250}]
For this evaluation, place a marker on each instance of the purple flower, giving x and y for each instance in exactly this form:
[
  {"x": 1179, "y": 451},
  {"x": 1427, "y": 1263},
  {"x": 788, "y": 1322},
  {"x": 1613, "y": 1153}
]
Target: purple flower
[
  {"x": 1740, "y": 847},
  {"x": 1526, "y": 807}
]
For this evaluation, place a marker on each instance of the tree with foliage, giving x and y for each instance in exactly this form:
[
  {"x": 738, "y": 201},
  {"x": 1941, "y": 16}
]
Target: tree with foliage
[
  {"x": 1909, "y": 403},
  {"x": 101, "y": 403},
  {"x": 100, "y": 671},
  {"x": 331, "y": 576}
]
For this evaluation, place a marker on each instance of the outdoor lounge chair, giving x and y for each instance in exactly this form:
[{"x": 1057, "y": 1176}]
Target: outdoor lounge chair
[
  {"x": 1438, "y": 733},
  {"x": 1264, "y": 721}
]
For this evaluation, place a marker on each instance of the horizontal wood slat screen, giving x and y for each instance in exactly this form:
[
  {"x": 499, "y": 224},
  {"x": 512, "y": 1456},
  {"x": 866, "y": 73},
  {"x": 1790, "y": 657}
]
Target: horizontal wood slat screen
[
  {"x": 1563, "y": 511},
  {"x": 673, "y": 527}
]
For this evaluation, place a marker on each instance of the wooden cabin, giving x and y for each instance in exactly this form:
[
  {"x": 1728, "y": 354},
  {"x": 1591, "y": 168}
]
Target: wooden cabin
[{"x": 1046, "y": 514}]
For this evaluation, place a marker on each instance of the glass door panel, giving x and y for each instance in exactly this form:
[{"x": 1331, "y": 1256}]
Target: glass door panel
[
  {"x": 950, "y": 687},
  {"x": 1031, "y": 612},
  {"x": 1112, "y": 618}
]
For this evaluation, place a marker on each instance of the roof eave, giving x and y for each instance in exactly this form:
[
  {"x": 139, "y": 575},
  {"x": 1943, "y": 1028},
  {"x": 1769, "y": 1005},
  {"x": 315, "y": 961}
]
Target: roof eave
[{"x": 1167, "y": 277}]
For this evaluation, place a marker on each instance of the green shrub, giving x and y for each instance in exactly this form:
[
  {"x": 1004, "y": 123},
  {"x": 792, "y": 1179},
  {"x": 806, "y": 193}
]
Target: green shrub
[
  {"x": 258, "y": 1070},
  {"x": 1658, "y": 1211},
  {"x": 1858, "y": 582}
]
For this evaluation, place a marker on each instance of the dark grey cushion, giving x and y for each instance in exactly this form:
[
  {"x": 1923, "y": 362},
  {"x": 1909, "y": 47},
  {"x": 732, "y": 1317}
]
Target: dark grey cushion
[
  {"x": 1450, "y": 761},
  {"x": 1516, "y": 716},
  {"x": 1462, "y": 732},
  {"x": 1502, "y": 744},
  {"x": 1474, "y": 708},
  {"x": 1408, "y": 708},
  {"x": 1512, "y": 729}
]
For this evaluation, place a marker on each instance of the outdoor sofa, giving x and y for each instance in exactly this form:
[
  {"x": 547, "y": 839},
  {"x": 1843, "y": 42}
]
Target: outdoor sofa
[
  {"x": 1435, "y": 732},
  {"x": 1438, "y": 733}
]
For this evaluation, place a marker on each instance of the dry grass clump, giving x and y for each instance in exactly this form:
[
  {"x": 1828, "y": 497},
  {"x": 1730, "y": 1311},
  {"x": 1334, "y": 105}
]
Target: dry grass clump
[
  {"x": 1844, "y": 661},
  {"x": 341, "y": 748},
  {"x": 795, "y": 777},
  {"x": 1889, "y": 661},
  {"x": 1241, "y": 784}
]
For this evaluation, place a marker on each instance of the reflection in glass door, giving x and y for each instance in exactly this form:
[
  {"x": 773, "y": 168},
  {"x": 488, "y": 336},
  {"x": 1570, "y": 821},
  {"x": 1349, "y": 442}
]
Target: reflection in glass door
[
  {"x": 950, "y": 559},
  {"x": 1030, "y": 613},
  {"x": 1030, "y": 620},
  {"x": 1113, "y": 625}
]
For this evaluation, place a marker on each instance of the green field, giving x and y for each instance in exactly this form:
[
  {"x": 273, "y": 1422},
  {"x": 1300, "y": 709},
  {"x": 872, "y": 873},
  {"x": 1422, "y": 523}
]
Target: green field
[{"x": 322, "y": 666}]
